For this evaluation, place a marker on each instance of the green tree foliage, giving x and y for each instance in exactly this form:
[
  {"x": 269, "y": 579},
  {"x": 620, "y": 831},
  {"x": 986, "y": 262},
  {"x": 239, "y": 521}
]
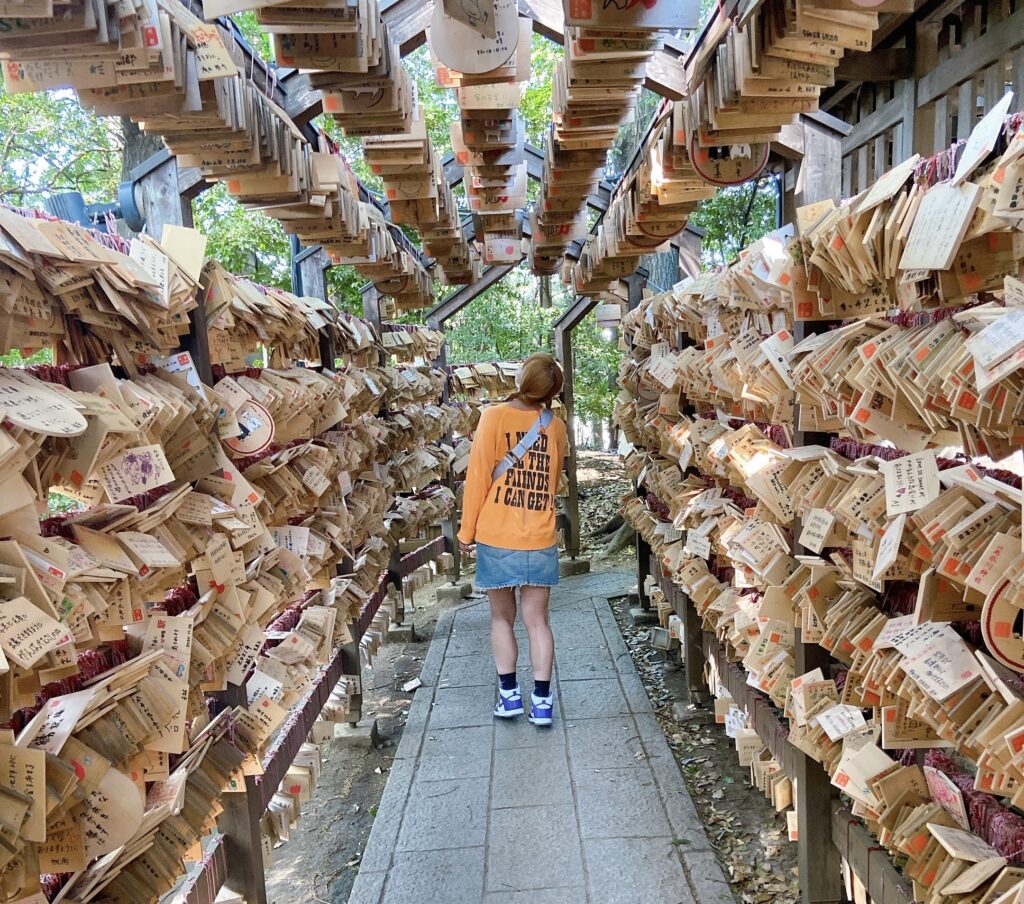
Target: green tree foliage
[
  {"x": 505, "y": 323},
  {"x": 49, "y": 143},
  {"x": 535, "y": 107},
  {"x": 244, "y": 241},
  {"x": 343, "y": 285},
  {"x": 14, "y": 358},
  {"x": 256, "y": 38},
  {"x": 734, "y": 218},
  {"x": 596, "y": 356}
]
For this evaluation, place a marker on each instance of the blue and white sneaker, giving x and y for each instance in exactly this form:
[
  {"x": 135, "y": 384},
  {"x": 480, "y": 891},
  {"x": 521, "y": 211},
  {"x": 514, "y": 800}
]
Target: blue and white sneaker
[
  {"x": 541, "y": 709},
  {"x": 510, "y": 703}
]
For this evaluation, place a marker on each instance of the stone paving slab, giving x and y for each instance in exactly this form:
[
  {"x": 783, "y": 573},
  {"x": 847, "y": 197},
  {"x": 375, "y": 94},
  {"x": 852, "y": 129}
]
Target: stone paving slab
[{"x": 590, "y": 811}]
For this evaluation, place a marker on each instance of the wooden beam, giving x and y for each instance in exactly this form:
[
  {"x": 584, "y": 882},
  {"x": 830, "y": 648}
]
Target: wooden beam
[
  {"x": 972, "y": 59},
  {"x": 570, "y": 318},
  {"x": 790, "y": 143},
  {"x": 883, "y": 882},
  {"x": 302, "y": 101},
  {"x": 444, "y": 310},
  {"x": 885, "y": 117},
  {"x": 407, "y": 22},
  {"x": 191, "y": 183},
  {"x": 828, "y": 121},
  {"x": 885, "y": 64}
]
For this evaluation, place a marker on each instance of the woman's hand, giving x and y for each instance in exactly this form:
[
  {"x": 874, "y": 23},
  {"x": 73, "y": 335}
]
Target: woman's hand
[{"x": 467, "y": 548}]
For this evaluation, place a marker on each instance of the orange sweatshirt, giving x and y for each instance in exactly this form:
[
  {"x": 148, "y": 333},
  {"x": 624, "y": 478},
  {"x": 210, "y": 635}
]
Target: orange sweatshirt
[{"x": 518, "y": 512}]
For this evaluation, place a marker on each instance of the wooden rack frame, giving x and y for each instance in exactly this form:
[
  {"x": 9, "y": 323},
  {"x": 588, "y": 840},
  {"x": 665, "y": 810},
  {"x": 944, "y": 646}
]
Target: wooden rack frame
[
  {"x": 236, "y": 857},
  {"x": 168, "y": 193},
  {"x": 925, "y": 83},
  {"x": 843, "y": 834},
  {"x": 815, "y": 177}
]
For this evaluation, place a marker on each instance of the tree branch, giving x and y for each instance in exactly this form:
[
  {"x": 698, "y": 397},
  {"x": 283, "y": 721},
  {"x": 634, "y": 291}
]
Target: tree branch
[
  {"x": 755, "y": 187},
  {"x": 55, "y": 177}
]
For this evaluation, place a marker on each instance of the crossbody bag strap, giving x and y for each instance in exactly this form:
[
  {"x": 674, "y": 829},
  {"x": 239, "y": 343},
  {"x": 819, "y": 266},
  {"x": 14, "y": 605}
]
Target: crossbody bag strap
[{"x": 516, "y": 454}]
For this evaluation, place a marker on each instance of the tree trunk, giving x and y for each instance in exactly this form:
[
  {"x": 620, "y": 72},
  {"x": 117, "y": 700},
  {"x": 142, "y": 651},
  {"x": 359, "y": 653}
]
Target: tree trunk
[
  {"x": 623, "y": 537},
  {"x": 138, "y": 146},
  {"x": 595, "y": 430},
  {"x": 609, "y": 527}
]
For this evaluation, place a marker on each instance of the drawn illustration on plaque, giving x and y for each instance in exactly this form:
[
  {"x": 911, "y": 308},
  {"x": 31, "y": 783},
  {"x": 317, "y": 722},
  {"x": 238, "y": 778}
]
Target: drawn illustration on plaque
[
  {"x": 407, "y": 188},
  {"x": 480, "y": 15},
  {"x": 138, "y": 469},
  {"x": 624, "y": 5},
  {"x": 472, "y": 14}
]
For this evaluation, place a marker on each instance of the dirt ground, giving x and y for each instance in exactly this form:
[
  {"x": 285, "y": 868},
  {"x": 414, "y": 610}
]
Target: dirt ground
[
  {"x": 319, "y": 863},
  {"x": 602, "y": 484}
]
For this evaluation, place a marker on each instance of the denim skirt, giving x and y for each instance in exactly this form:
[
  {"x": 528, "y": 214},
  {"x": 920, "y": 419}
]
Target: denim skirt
[{"x": 497, "y": 568}]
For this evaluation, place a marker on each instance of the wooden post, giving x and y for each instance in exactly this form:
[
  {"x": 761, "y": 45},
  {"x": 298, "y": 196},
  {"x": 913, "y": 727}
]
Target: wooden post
[
  {"x": 820, "y": 176},
  {"x": 690, "y": 245},
  {"x": 162, "y": 200},
  {"x": 693, "y": 652},
  {"x": 240, "y": 825},
  {"x": 563, "y": 351},
  {"x": 644, "y": 554},
  {"x": 395, "y": 579},
  {"x": 311, "y": 263},
  {"x": 635, "y": 294},
  {"x": 926, "y": 57},
  {"x": 309, "y": 278},
  {"x": 351, "y": 664},
  {"x": 449, "y": 526},
  {"x": 165, "y": 201},
  {"x": 371, "y": 306}
]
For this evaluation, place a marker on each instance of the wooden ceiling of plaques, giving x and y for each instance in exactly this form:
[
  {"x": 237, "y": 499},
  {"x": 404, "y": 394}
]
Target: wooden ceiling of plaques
[{"x": 407, "y": 22}]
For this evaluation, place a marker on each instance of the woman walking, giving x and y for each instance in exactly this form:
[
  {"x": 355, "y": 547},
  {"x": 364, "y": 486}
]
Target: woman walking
[{"x": 508, "y": 511}]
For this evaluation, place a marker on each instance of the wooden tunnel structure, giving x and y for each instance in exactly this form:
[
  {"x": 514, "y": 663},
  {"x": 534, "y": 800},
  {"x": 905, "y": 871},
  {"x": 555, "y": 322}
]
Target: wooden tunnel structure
[{"x": 925, "y": 83}]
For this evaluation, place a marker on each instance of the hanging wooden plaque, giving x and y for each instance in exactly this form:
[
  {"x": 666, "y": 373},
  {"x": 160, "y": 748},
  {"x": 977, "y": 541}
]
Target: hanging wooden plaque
[
  {"x": 477, "y": 14},
  {"x": 721, "y": 166},
  {"x": 464, "y": 48},
  {"x": 1000, "y": 628}
]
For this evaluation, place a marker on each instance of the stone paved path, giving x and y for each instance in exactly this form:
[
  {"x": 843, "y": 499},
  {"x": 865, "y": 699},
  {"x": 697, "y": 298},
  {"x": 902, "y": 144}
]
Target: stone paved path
[{"x": 590, "y": 811}]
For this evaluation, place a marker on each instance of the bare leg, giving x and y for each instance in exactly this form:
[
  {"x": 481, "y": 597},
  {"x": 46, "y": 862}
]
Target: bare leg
[
  {"x": 542, "y": 642},
  {"x": 503, "y": 636}
]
